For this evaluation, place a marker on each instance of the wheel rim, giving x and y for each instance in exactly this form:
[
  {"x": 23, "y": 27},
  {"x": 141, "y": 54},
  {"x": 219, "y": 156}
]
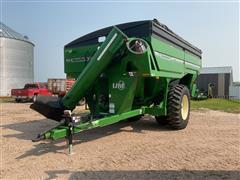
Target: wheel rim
[{"x": 185, "y": 107}]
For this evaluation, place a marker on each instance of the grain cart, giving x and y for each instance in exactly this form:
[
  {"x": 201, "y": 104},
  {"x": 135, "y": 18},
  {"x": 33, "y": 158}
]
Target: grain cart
[{"x": 140, "y": 68}]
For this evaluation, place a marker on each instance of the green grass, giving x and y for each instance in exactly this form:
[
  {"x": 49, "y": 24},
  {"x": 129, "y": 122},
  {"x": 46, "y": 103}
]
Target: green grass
[
  {"x": 231, "y": 106},
  {"x": 6, "y": 100}
]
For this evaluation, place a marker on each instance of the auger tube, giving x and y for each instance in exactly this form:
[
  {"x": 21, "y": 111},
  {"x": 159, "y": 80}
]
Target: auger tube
[
  {"x": 97, "y": 64},
  {"x": 53, "y": 108}
]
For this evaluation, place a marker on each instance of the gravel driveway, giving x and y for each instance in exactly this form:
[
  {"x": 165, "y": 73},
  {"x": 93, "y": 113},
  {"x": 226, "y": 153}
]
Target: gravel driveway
[{"x": 208, "y": 148}]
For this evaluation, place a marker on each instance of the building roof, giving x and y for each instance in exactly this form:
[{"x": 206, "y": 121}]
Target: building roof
[
  {"x": 8, "y": 32},
  {"x": 236, "y": 83},
  {"x": 216, "y": 70}
]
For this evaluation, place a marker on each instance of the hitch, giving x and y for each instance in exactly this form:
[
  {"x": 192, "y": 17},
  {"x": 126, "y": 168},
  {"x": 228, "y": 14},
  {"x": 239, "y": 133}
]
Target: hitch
[
  {"x": 72, "y": 123},
  {"x": 69, "y": 121},
  {"x": 41, "y": 136}
]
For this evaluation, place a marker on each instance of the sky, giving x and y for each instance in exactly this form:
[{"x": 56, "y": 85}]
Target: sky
[{"x": 211, "y": 26}]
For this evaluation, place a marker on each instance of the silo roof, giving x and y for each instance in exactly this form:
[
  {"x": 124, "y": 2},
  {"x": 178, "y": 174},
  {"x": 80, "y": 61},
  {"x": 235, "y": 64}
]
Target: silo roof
[{"x": 8, "y": 32}]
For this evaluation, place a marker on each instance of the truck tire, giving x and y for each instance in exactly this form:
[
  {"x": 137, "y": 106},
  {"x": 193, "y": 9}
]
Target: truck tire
[
  {"x": 18, "y": 100},
  {"x": 178, "y": 107}
]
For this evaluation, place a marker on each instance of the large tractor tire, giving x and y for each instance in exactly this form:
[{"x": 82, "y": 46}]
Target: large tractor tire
[{"x": 178, "y": 107}]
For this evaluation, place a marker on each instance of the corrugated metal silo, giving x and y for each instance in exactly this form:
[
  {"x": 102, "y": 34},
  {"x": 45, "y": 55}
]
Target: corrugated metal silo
[{"x": 16, "y": 60}]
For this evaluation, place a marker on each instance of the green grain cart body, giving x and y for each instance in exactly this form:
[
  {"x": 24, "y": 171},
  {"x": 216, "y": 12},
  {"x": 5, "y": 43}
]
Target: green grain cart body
[
  {"x": 141, "y": 68},
  {"x": 168, "y": 58}
]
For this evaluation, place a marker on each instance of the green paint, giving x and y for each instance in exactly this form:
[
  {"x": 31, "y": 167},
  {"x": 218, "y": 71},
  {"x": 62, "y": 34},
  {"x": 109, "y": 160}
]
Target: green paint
[
  {"x": 62, "y": 131},
  {"x": 118, "y": 83}
]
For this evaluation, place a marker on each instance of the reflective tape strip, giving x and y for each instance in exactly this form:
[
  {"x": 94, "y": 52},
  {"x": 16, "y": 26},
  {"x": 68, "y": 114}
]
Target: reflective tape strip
[
  {"x": 105, "y": 49},
  {"x": 191, "y": 64},
  {"x": 169, "y": 58}
]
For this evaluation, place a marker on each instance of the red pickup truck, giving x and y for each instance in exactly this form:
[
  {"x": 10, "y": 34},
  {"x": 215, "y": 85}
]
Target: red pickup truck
[{"x": 30, "y": 92}]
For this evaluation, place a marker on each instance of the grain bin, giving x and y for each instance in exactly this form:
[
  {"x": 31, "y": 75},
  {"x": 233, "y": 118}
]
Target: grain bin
[{"x": 16, "y": 60}]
